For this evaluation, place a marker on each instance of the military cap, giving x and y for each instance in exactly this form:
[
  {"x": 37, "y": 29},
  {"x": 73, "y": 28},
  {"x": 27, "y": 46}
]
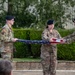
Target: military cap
[
  {"x": 9, "y": 17},
  {"x": 49, "y": 22}
]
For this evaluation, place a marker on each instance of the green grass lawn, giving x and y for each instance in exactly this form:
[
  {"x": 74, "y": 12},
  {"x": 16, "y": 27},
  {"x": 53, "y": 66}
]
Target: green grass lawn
[{"x": 26, "y": 59}]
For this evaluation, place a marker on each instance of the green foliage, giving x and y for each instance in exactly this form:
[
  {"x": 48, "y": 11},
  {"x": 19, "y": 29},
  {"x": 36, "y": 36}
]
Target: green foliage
[
  {"x": 32, "y": 13},
  {"x": 64, "y": 32},
  {"x": 24, "y": 19},
  {"x": 35, "y": 35},
  {"x": 66, "y": 51},
  {"x": 22, "y": 48},
  {"x": 2, "y": 19},
  {"x": 27, "y": 50}
]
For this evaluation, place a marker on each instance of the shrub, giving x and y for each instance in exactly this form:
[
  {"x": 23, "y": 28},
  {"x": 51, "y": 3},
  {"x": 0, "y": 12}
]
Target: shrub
[{"x": 65, "y": 51}]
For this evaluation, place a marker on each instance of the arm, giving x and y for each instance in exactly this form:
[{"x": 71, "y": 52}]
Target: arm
[
  {"x": 5, "y": 36},
  {"x": 70, "y": 38},
  {"x": 45, "y": 35}
]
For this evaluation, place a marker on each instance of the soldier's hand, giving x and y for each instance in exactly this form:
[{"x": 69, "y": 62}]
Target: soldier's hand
[
  {"x": 63, "y": 41},
  {"x": 53, "y": 39},
  {"x": 15, "y": 39}
]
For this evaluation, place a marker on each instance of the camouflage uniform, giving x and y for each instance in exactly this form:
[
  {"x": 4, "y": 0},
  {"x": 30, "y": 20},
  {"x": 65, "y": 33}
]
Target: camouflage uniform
[
  {"x": 6, "y": 42},
  {"x": 49, "y": 53},
  {"x": 70, "y": 38}
]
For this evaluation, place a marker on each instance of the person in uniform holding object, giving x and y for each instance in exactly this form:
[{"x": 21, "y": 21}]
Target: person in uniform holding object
[
  {"x": 49, "y": 51},
  {"x": 5, "y": 67},
  {"x": 70, "y": 38},
  {"x": 7, "y": 38}
]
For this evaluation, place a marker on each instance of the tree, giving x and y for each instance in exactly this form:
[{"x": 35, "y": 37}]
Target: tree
[
  {"x": 35, "y": 13},
  {"x": 23, "y": 16},
  {"x": 54, "y": 9},
  {"x": 49, "y": 9}
]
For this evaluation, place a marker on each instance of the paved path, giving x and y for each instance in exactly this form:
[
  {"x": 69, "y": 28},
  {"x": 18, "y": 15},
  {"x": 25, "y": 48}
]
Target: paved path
[{"x": 39, "y": 72}]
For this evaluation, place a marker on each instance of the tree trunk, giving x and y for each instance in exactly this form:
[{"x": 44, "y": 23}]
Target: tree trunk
[{"x": 10, "y": 7}]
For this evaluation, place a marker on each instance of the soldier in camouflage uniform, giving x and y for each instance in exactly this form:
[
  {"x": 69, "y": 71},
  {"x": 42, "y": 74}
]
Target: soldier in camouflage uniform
[
  {"x": 7, "y": 39},
  {"x": 49, "y": 51},
  {"x": 70, "y": 38}
]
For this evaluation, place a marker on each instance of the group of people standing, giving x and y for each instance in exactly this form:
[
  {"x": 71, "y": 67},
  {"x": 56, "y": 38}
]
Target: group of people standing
[{"x": 48, "y": 51}]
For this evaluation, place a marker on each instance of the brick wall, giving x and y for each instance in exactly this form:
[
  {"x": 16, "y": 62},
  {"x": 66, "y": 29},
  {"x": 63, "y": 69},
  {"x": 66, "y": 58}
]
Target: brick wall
[{"x": 61, "y": 65}]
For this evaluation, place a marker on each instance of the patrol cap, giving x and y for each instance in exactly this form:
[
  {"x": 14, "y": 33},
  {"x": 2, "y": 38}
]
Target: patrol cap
[
  {"x": 9, "y": 17},
  {"x": 49, "y": 22}
]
